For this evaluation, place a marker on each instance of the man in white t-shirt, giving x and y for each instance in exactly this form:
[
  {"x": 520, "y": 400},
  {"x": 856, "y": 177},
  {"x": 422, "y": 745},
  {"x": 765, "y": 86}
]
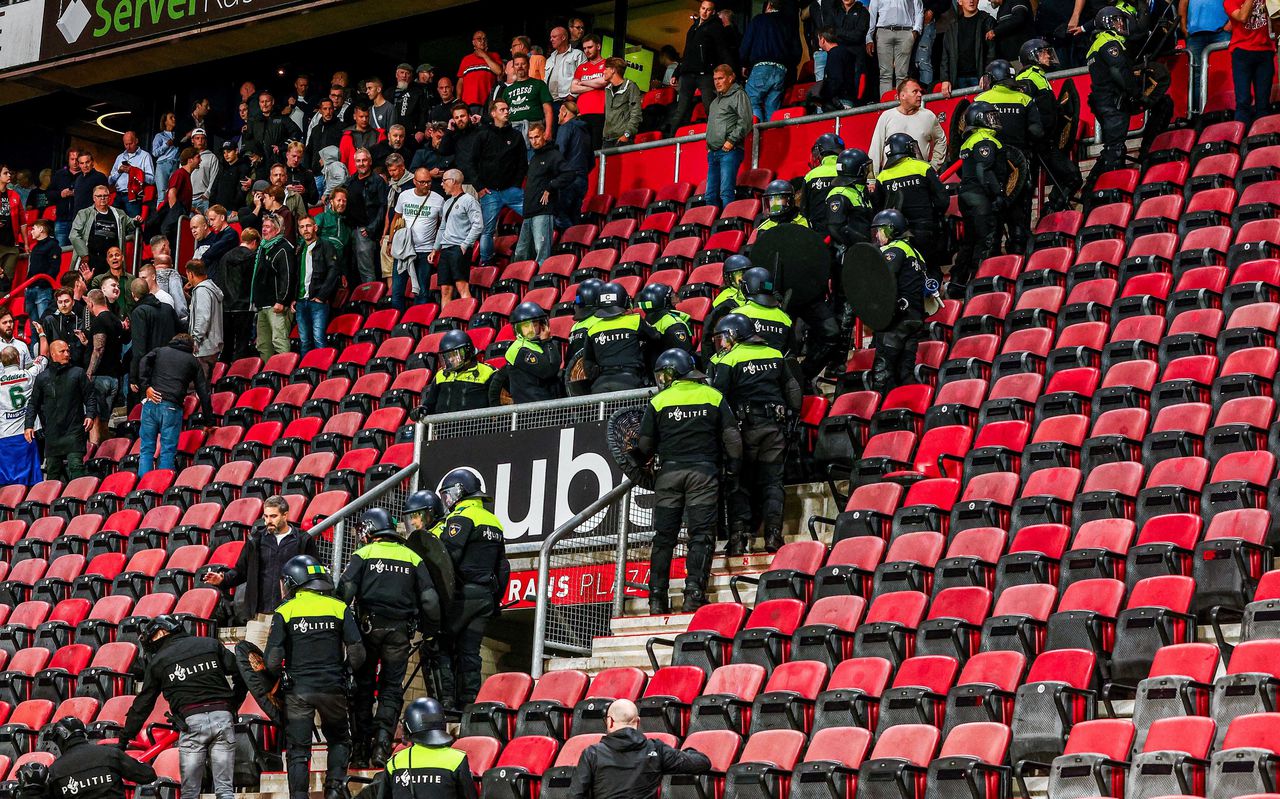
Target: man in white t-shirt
[
  {"x": 912, "y": 118},
  {"x": 418, "y": 209},
  {"x": 19, "y": 458}
]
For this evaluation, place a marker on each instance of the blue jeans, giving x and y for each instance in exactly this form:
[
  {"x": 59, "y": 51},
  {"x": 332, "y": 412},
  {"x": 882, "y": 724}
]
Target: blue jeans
[
  {"x": 535, "y": 238},
  {"x": 1196, "y": 44},
  {"x": 164, "y": 171},
  {"x": 312, "y": 319},
  {"x": 491, "y": 204},
  {"x": 764, "y": 87},
  {"x": 924, "y": 53},
  {"x": 1251, "y": 72},
  {"x": 722, "y": 175},
  {"x": 819, "y": 66},
  {"x": 37, "y": 298},
  {"x": 165, "y": 420},
  {"x": 400, "y": 283},
  {"x": 62, "y": 232},
  {"x": 131, "y": 208}
]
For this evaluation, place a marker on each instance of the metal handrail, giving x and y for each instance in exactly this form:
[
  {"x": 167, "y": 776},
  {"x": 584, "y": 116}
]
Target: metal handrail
[
  {"x": 531, "y": 407},
  {"x": 24, "y": 285},
  {"x": 338, "y": 518}
]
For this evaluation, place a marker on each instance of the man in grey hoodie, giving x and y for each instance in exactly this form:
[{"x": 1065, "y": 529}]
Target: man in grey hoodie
[
  {"x": 333, "y": 173},
  {"x": 728, "y": 124},
  {"x": 206, "y": 316}
]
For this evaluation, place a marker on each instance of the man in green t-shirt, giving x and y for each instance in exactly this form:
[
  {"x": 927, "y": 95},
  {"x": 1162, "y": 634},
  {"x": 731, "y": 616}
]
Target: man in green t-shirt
[{"x": 529, "y": 98}]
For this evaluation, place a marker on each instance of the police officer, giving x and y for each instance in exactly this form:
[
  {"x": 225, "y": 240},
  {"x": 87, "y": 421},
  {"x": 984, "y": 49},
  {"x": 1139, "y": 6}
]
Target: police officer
[
  {"x": 429, "y": 768},
  {"x": 87, "y": 771},
  {"x": 659, "y": 309},
  {"x": 389, "y": 585},
  {"x": 848, "y": 206},
  {"x": 691, "y": 429},
  {"x": 771, "y": 323},
  {"x": 909, "y": 185},
  {"x": 424, "y": 513},
  {"x": 896, "y": 345},
  {"x": 474, "y": 539},
  {"x": 984, "y": 172},
  {"x": 1116, "y": 92},
  {"x": 617, "y": 343},
  {"x": 763, "y": 394},
  {"x": 532, "y": 371},
  {"x": 585, "y": 302},
  {"x": 779, "y": 201},
  {"x": 820, "y": 179},
  {"x": 314, "y": 647},
  {"x": 192, "y": 673},
  {"x": 461, "y": 383},
  {"x": 726, "y": 300},
  {"x": 1037, "y": 55},
  {"x": 1020, "y": 125}
]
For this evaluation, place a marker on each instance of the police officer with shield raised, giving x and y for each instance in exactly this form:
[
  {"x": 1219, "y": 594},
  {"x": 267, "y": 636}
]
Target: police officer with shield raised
[
  {"x": 896, "y": 345},
  {"x": 532, "y": 369},
  {"x": 392, "y": 591},
  {"x": 88, "y": 771},
  {"x": 429, "y": 768},
  {"x": 779, "y": 202},
  {"x": 984, "y": 172},
  {"x": 424, "y": 516}
]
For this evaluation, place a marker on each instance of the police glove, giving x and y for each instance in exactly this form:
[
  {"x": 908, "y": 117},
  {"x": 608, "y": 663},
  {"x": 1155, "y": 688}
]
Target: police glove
[
  {"x": 903, "y": 304},
  {"x": 418, "y": 414}
]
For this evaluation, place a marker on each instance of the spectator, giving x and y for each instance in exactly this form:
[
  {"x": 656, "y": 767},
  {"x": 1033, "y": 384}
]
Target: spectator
[
  {"x": 213, "y": 238},
  {"x": 271, "y": 290},
  {"x": 623, "y": 105},
  {"x": 132, "y": 171},
  {"x": 74, "y": 279},
  {"x": 574, "y": 141},
  {"x": 1253, "y": 58},
  {"x": 578, "y": 33},
  {"x": 443, "y": 110},
  {"x": 45, "y": 259},
  {"x": 87, "y": 181},
  {"x": 115, "y": 271},
  {"x": 40, "y": 197},
  {"x": 62, "y": 190},
  {"x": 206, "y": 314},
  {"x": 411, "y": 102},
  {"x": 500, "y": 166},
  {"x": 199, "y": 114},
  {"x": 461, "y": 224},
  {"x": 934, "y": 12},
  {"x": 19, "y": 455},
  {"x": 325, "y": 131},
  {"x": 13, "y": 228},
  {"x": 626, "y": 764},
  {"x": 64, "y": 324},
  {"x": 732, "y": 38},
  {"x": 98, "y": 228},
  {"x": 318, "y": 273},
  {"x": 164, "y": 151},
  {"x": 204, "y": 175},
  {"x": 147, "y": 273},
  {"x": 588, "y": 87},
  {"x": 520, "y": 45},
  {"x": 562, "y": 62},
  {"x": 430, "y": 156},
  {"x": 166, "y": 375},
  {"x": 1014, "y": 27},
  {"x": 334, "y": 228},
  {"x": 548, "y": 176},
  {"x": 271, "y": 130},
  {"x": 892, "y": 31},
  {"x": 237, "y": 315},
  {"x": 179, "y": 197},
  {"x": 107, "y": 338},
  {"x": 415, "y": 220},
  {"x": 292, "y": 202},
  {"x": 1206, "y": 23},
  {"x": 8, "y": 337},
  {"x": 851, "y": 22},
  {"x": 770, "y": 50},
  {"x": 110, "y": 288},
  {"x": 228, "y": 189},
  {"x": 966, "y": 48},
  {"x": 728, "y": 123},
  {"x": 460, "y": 143},
  {"x": 62, "y": 400},
  {"x": 527, "y": 98},
  {"x": 478, "y": 73},
  {"x": 151, "y": 325},
  {"x": 360, "y": 136},
  {"x": 248, "y": 92},
  {"x": 333, "y": 172},
  {"x": 669, "y": 60},
  {"x": 399, "y": 179},
  {"x": 704, "y": 47},
  {"x": 396, "y": 143},
  {"x": 839, "y": 85},
  {"x": 268, "y": 548},
  {"x": 382, "y": 111},
  {"x": 366, "y": 207},
  {"x": 300, "y": 102},
  {"x": 167, "y": 277},
  {"x": 910, "y": 117},
  {"x": 299, "y": 179}
]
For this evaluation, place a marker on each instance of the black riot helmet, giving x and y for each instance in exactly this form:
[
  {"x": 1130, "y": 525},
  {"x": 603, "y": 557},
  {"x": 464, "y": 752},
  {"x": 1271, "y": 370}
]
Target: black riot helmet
[
  {"x": 67, "y": 732},
  {"x": 733, "y": 329},
  {"x": 458, "y": 485},
  {"x": 613, "y": 301},
  {"x": 853, "y": 164},
  {"x": 425, "y": 501},
  {"x": 757, "y": 284},
  {"x": 900, "y": 146},
  {"x": 675, "y": 364},
  {"x": 1033, "y": 50},
  {"x": 655, "y": 299},
  {"x": 32, "y": 775},
  {"x": 1114, "y": 20},
  {"x": 585, "y": 299},
  {"x": 779, "y": 197},
  {"x": 981, "y": 114},
  {"x": 826, "y": 145},
  {"x": 424, "y": 723},
  {"x": 998, "y": 73},
  {"x": 377, "y": 523},
  {"x": 891, "y": 222},
  {"x": 164, "y": 623},
  {"x": 457, "y": 350},
  {"x": 732, "y": 270},
  {"x": 304, "y": 571},
  {"x": 528, "y": 318}
]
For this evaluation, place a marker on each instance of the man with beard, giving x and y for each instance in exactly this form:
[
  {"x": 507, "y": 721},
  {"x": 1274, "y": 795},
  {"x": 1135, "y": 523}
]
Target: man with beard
[
  {"x": 397, "y": 142},
  {"x": 325, "y": 131},
  {"x": 411, "y": 104},
  {"x": 460, "y": 144}
]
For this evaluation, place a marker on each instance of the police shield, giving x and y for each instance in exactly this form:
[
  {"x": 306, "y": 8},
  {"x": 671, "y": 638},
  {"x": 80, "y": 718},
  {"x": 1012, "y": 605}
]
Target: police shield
[
  {"x": 436, "y": 558},
  {"x": 869, "y": 285},
  {"x": 1069, "y": 113},
  {"x": 1019, "y": 172},
  {"x": 622, "y": 435},
  {"x": 576, "y": 381},
  {"x": 265, "y": 690},
  {"x": 956, "y": 133},
  {"x": 799, "y": 260}
]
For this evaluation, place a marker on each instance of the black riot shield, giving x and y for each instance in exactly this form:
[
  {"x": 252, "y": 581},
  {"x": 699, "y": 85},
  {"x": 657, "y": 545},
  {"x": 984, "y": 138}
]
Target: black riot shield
[
  {"x": 869, "y": 285},
  {"x": 1069, "y": 116},
  {"x": 576, "y": 381},
  {"x": 800, "y": 263},
  {"x": 956, "y": 134}
]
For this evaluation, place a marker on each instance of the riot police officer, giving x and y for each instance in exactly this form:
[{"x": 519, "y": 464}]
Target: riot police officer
[
  {"x": 393, "y": 593},
  {"x": 585, "y": 302},
  {"x": 616, "y": 345},
  {"x": 192, "y": 673},
  {"x": 532, "y": 371},
  {"x": 474, "y": 540},
  {"x": 314, "y": 647},
  {"x": 424, "y": 513},
  {"x": 726, "y": 300},
  {"x": 659, "y": 309},
  {"x": 688, "y": 425},
  {"x": 763, "y": 394},
  {"x": 461, "y": 383},
  {"x": 1037, "y": 55},
  {"x": 848, "y": 206},
  {"x": 87, "y": 771},
  {"x": 896, "y": 345},
  {"x": 772, "y": 324},
  {"x": 429, "y": 768},
  {"x": 984, "y": 172},
  {"x": 911, "y": 186},
  {"x": 820, "y": 179},
  {"x": 779, "y": 201},
  {"x": 1020, "y": 125}
]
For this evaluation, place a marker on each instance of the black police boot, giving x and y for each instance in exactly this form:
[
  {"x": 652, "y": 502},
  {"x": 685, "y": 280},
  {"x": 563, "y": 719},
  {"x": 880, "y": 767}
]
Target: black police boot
[
  {"x": 693, "y": 599},
  {"x": 659, "y": 604},
  {"x": 381, "y": 752},
  {"x": 336, "y": 790},
  {"x": 359, "y": 756},
  {"x": 739, "y": 542},
  {"x": 772, "y": 540}
]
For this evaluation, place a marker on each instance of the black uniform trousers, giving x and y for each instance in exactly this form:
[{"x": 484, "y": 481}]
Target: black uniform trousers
[
  {"x": 758, "y": 497},
  {"x": 896, "y": 354},
  {"x": 681, "y": 489},
  {"x": 1114, "y": 125},
  {"x": 386, "y": 661},
  {"x": 822, "y": 338},
  {"x": 981, "y": 240},
  {"x": 302, "y": 707},
  {"x": 1063, "y": 176},
  {"x": 239, "y": 327},
  {"x": 459, "y": 650},
  {"x": 685, "y": 88}
]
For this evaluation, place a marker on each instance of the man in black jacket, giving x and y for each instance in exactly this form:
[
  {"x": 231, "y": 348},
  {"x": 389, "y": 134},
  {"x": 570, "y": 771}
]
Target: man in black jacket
[
  {"x": 233, "y": 277},
  {"x": 66, "y": 405},
  {"x": 851, "y": 20},
  {"x": 410, "y": 101},
  {"x": 88, "y": 771},
  {"x": 272, "y": 130},
  {"x": 626, "y": 764},
  {"x": 549, "y": 175},
  {"x": 273, "y": 288},
  {"x": 192, "y": 673},
  {"x": 325, "y": 131},
  {"x": 459, "y": 143},
  {"x": 229, "y": 184},
  {"x": 966, "y": 50},
  {"x": 705, "y": 48},
  {"x": 366, "y": 210},
  {"x": 318, "y": 274},
  {"x": 271, "y": 545},
  {"x": 165, "y": 375},
  {"x": 1014, "y": 26},
  {"x": 152, "y": 324},
  {"x": 501, "y": 163}
]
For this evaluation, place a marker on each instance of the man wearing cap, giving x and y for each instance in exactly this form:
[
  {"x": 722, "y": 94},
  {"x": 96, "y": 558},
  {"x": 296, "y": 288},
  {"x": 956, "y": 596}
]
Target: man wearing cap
[
  {"x": 430, "y": 768},
  {"x": 411, "y": 104},
  {"x": 205, "y": 172}
]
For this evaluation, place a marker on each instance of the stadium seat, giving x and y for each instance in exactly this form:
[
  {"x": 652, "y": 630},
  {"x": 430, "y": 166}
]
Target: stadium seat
[{"x": 1056, "y": 696}]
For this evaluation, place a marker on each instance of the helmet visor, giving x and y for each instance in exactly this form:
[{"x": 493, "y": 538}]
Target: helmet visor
[
  {"x": 1047, "y": 57},
  {"x": 530, "y": 329},
  {"x": 986, "y": 82},
  {"x": 724, "y": 341},
  {"x": 776, "y": 204},
  {"x": 454, "y": 359},
  {"x": 451, "y": 495},
  {"x": 664, "y": 377}
]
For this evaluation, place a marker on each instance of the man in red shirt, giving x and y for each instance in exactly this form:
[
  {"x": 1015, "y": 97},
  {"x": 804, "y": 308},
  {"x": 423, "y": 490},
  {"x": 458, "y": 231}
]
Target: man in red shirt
[
  {"x": 1253, "y": 57},
  {"x": 478, "y": 73},
  {"x": 588, "y": 87}
]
